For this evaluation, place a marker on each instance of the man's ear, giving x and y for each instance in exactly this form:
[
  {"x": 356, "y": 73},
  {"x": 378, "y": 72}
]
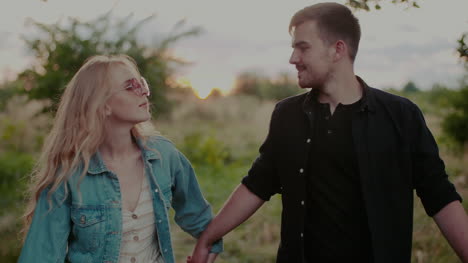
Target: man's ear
[{"x": 341, "y": 50}]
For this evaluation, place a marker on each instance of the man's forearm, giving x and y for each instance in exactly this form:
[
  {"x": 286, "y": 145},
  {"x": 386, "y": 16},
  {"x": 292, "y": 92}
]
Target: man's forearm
[
  {"x": 239, "y": 207},
  {"x": 453, "y": 223}
]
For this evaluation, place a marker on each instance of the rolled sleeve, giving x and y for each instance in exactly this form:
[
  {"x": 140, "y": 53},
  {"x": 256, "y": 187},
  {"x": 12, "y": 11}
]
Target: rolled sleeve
[
  {"x": 217, "y": 247},
  {"x": 431, "y": 181}
]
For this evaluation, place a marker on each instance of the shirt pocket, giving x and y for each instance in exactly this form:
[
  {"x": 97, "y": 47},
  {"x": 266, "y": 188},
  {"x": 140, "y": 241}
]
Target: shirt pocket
[{"x": 88, "y": 227}]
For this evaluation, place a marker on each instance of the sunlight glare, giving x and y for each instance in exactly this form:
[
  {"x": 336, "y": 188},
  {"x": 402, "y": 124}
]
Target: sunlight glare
[{"x": 204, "y": 83}]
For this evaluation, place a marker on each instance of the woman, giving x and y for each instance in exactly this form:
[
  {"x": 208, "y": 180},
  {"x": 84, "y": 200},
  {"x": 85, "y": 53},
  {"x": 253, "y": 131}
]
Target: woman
[{"x": 105, "y": 182}]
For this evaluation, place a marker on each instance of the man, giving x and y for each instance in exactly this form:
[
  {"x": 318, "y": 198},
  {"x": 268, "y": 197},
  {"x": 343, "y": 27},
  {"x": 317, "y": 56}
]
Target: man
[{"x": 345, "y": 157}]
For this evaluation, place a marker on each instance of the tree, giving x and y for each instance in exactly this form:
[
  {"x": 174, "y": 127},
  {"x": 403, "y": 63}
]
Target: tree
[
  {"x": 61, "y": 49},
  {"x": 248, "y": 83},
  {"x": 367, "y": 4},
  {"x": 410, "y": 87},
  {"x": 214, "y": 94},
  {"x": 455, "y": 124},
  {"x": 263, "y": 87},
  {"x": 463, "y": 49},
  {"x": 281, "y": 87}
]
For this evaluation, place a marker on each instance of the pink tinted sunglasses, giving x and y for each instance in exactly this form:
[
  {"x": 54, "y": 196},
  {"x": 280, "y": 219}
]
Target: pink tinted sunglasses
[{"x": 140, "y": 88}]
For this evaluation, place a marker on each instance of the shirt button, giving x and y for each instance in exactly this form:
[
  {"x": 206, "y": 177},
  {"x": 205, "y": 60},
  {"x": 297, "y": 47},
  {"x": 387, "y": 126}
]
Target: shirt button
[
  {"x": 329, "y": 131},
  {"x": 135, "y": 238},
  {"x": 302, "y": 202},
  {"x": 301, "y": 170},
  {"x": 308, "y": 140},
  {"x": 160, "y": 221},
  {"x": 134, "y": 216},
  {"x": 302, "y": 235},
  {"x": 155, "y": 190},
  {"x": 165, "y": 250},
  {"x": 133, "y": 260}
]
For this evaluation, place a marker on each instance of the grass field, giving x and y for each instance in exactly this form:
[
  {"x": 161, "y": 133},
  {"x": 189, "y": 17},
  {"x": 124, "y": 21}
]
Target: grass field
[
  {"x": 257, "y": 239},
  {"x": 221, "y": 138}
]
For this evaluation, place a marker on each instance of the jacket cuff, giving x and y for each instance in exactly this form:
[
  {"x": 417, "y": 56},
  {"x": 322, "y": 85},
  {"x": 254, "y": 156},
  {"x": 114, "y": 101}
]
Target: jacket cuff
[{"x": 217, "y": 247}]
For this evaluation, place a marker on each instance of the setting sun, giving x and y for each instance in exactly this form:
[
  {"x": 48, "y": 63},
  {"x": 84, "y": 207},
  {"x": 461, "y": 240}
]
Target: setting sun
[{"x": 203, "y": 83}]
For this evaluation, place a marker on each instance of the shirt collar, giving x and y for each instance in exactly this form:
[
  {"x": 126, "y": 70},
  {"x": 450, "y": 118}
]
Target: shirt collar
[{"x": 367, "y": 100}]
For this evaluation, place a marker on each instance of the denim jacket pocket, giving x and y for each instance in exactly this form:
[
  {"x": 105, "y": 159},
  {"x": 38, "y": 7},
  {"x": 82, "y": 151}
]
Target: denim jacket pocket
[{"x": 88, "y": 227}]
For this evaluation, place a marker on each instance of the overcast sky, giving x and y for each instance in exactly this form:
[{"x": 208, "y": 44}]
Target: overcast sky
[{"x": 398, "y": 44}]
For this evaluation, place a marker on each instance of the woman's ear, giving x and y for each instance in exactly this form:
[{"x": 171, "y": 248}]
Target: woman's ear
[{"x": 107, "y": 110}]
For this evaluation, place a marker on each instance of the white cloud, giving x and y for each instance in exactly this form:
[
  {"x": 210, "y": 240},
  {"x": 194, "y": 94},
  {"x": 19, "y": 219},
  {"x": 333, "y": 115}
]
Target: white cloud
[{"x": 397, "y": 45}]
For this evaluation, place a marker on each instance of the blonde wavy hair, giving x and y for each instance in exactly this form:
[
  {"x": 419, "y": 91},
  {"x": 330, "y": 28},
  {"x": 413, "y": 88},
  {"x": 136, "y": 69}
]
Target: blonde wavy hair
[{"x": 78, "y": 130}]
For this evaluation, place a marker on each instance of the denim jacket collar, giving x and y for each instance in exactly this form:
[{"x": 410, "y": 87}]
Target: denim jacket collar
[
  {"x": 148, "y": 153},
  {"x": 97, "y": 166}
]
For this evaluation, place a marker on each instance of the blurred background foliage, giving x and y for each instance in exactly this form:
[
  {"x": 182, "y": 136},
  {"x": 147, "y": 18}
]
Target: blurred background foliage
[
  {"x": 60, "y": 49},
  {"x": 220, "y": 135}
]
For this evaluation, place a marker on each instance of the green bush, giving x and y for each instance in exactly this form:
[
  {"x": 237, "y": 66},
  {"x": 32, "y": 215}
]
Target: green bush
[
  {"x": 266, "y": 88},
  {"x": 202, "y": 149},
  {"x": 13, "y": 168},
  {"x": 455, "y": 124}
]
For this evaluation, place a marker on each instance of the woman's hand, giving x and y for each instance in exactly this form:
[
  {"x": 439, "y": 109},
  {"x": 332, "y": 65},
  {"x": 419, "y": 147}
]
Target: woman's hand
[
  {"x": 201, "y": 253},
  {"x": 211, "y": 258}
]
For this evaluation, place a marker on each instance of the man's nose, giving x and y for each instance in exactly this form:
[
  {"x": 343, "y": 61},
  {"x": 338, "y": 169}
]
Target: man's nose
[{"x": 293, "y": 59}]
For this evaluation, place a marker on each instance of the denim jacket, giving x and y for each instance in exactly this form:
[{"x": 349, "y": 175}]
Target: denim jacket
[{"x": 89, "y": 229}]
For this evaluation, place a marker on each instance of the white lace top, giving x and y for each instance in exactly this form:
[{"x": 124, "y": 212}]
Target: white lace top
[{"x": 139, "y": 237}]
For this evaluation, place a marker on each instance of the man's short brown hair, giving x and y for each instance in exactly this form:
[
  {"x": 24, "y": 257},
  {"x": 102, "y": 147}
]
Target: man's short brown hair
[{"x": 335, "y": 22}]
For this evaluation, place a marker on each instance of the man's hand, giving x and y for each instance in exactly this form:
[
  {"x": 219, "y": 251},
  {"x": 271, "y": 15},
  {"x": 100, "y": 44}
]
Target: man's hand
[{"x": 240, "y": 206}]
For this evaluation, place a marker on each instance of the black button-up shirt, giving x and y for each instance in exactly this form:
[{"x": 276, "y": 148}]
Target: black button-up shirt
[
  {"x": 336, "y": 228},
  {"x": 396, "y": 154}
]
